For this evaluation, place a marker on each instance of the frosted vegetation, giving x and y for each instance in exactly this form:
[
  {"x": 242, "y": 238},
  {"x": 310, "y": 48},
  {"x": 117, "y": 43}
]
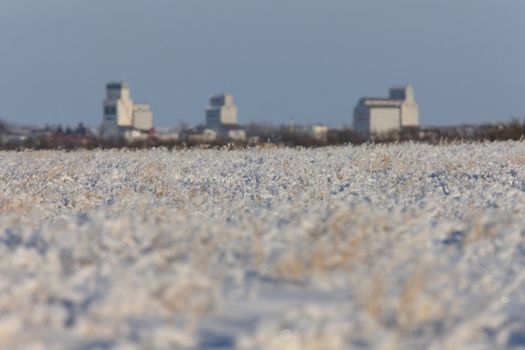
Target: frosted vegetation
[{"x": 371, "y": 247}]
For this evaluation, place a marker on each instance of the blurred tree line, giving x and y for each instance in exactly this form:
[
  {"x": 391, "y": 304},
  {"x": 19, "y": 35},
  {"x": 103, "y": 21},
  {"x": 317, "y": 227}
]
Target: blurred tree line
[{"x": 275, "y": 136}]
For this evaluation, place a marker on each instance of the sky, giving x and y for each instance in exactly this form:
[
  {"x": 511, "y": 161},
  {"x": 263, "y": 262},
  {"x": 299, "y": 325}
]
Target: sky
[{"x": 306, "y": 60}]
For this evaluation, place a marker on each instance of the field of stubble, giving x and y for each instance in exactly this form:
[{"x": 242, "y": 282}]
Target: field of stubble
[{"x": 372, "y": 247}]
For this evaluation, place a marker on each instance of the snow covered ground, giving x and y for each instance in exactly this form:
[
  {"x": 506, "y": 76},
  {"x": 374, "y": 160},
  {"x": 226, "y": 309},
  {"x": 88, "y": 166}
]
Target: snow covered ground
[{"x": 372, "y": 247}]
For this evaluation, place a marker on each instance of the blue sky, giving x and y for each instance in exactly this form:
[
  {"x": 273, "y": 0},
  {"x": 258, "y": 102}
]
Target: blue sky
[{"x": 302, "y": 59}]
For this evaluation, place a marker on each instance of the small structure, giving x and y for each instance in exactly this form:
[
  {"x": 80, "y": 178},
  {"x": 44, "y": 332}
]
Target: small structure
[
  {"x": 199, "y": 134},
  {"x": 237, "y": 134},
  {"x": 380, "y": 116},
  {"x": 167, "y": 134},
  {"x": 123, "y": 119},
  {"x": 18, "y": 134},
  {"x": 319, "y": 133}
]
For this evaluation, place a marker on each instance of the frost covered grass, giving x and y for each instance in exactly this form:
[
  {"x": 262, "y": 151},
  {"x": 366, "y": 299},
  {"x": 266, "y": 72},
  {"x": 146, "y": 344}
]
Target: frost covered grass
[{"x": 372, "y": 247}]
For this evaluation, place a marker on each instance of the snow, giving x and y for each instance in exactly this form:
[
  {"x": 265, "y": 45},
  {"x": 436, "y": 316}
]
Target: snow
[{"x": 403, "y": 246}]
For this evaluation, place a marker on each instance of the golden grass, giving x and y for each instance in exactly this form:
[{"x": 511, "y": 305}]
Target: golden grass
[
  {"x": 415, "y": 307},
  {"x": 194, "y": 297},
  {"x": 380, "y": 163},
  {"x": 481, "y": 228},
  {"x": 322, "y": 257},
  {"x": 372, "y": 301},
  {"x": 516, "y": 159}
]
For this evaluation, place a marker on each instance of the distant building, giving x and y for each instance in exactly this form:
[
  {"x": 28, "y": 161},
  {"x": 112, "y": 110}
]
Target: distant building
[
  {"x": 221, "y": 112},
  {"x": 221, "y": 117},
  {"x": 118, "y": 105},
  {"x": 142, "y": 117},
  {"x": 122, "y": 118},
  {"x": 377, "y": 116}
]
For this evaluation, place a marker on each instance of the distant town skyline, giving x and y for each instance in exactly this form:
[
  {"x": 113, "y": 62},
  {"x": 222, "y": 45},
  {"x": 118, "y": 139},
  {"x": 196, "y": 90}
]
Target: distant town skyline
[{"x": 303, "y": 59}]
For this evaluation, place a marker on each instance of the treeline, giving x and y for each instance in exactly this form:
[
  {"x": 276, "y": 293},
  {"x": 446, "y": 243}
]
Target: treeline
[
  {"x": 282, "y": 136},
  {"x": 513, "y": 130}
]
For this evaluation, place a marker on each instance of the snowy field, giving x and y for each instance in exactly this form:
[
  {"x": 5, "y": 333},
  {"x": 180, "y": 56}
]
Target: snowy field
[{"x": 370, "y": 247}]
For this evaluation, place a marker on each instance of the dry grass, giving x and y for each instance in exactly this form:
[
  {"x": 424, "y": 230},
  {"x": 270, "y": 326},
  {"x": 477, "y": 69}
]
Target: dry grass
[
  {"x": 481, "y": 228},
  {"x": 373, "y": 297},
  {"x": 415, "y": 306},
  {"x": 15, "y": 205},
  {"x": 380, "y": 163},
  {"x": 195, "y": 297},
  {"x": 408, "y": 311},
  {"x": 180, "y": 239},
  {"x": 321, "y": 257},
  {"x": 516, "y": 159}
]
